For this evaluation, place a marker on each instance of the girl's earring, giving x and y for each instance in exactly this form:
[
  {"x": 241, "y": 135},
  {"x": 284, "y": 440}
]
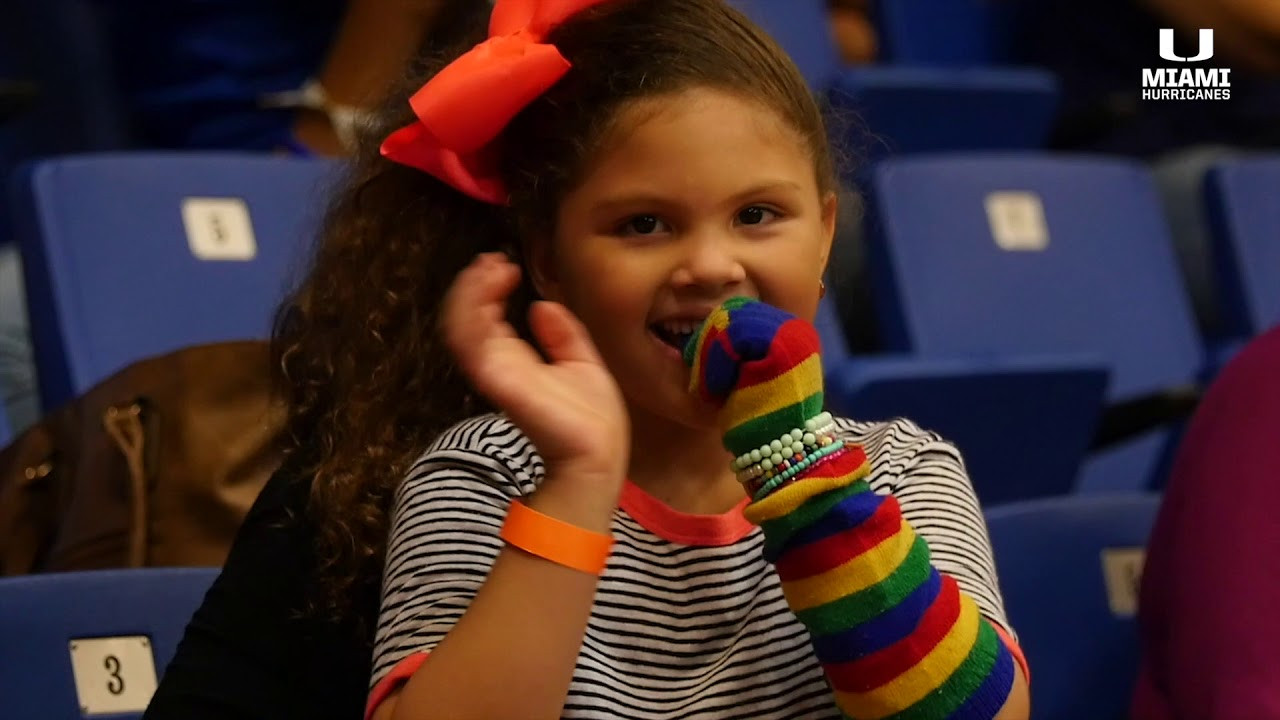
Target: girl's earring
[{"x": 822, "y": 289}]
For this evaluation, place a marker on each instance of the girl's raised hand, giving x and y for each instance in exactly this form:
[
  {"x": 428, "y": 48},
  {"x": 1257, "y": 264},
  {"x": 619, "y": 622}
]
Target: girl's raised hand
[{"x": 569, "y": 405}]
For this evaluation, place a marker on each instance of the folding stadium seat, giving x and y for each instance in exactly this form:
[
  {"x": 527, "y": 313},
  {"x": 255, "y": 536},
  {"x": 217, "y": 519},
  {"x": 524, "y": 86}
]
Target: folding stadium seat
[
  {"x": 925, "y": 109},
  {"x": 91, "y": 643},
  {"x": 992, "y": 410},
  {"x": 988, "y": 255},
  {"x": 131, "y": 256},
  {"x": 917, "y": 109},
  {"x": 1243, "y": 198},
  {"x": 1069, "y": 569},
  {"x": 953, "y": 33}
]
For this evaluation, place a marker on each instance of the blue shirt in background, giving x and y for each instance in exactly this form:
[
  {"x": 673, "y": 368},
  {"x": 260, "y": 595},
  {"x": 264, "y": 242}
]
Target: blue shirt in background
[{"x": 192, "y": 72}]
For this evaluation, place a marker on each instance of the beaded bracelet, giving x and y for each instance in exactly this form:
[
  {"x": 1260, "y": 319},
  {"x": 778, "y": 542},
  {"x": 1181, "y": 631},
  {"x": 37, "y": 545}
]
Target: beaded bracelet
[
  {"x": 782, "y": 478},
  {"x": 780, "y": 454},
  {"x": 782, "y": 463}
]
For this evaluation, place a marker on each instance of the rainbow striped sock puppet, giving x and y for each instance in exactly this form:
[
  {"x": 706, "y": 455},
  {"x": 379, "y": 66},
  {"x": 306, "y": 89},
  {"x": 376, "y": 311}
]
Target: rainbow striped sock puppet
[{"x": 896, "y": 638}]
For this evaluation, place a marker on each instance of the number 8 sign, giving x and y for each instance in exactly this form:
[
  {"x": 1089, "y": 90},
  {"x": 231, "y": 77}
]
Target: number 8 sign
[{"x": 113, "y": 675}]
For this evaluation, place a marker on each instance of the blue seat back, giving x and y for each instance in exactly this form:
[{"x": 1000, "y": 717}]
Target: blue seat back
[
  {"x": 41, "y": 615},
  {"x": 1018, "y": 254},
  {"x": 985, "y": 109},
  {"x": 131, "y": 256},
  {"x": 883, "y": 109},
  {"x": 803, "y": 30},
  {"x": 1022, "y": 254},
  {"x": 946, "y": 32},
  {"x": 993, "y": 410},
  {"x": 1244, "y": 216},
  {"x": 1068, "y": 569}
]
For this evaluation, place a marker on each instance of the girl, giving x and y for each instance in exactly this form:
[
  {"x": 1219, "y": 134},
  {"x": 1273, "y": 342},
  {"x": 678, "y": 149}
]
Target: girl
[{"x": 661, "y": 172}]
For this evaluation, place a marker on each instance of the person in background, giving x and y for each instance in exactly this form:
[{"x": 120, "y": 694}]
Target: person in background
[
  {"x": 1209, "y": 629},
  {"x": 261, "y": 75},
  {"x": 854, "y": 33}
]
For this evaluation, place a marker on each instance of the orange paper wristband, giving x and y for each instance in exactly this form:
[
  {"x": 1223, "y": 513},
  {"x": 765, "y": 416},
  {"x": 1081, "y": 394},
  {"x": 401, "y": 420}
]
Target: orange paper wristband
[{"x": 556, "y": 540}]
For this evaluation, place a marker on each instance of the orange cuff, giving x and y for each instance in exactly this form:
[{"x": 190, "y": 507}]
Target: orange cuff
[{"x": 556, "y": 540}]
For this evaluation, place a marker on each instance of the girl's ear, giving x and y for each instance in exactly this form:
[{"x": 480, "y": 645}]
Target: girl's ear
[{"x": 541, "y": 269}]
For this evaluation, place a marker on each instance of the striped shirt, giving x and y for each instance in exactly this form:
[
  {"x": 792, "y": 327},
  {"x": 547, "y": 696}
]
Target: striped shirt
[{"x": 689, "y": 620}]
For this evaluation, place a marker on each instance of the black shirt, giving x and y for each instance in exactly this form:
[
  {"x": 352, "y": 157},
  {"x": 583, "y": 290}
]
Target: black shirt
[{"x": 249, "y": 651}]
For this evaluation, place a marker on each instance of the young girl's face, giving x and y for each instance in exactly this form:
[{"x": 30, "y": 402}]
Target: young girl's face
[{"x": 695, "y": 198}]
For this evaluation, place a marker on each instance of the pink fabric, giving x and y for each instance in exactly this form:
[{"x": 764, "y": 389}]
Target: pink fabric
[
  {"x": 1014, "y": 649},
  {"x": 398, "y": 676},
  {"x": 683, "y": 528},
  {"x": 1210, "y": 589}
]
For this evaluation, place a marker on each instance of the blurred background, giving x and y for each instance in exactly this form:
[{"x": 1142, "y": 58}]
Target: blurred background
[{"x": 1032, "y": 260}]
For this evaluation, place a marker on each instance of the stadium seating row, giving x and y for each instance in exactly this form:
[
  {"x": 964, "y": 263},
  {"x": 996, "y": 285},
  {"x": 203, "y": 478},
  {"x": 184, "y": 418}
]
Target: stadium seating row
[{"x": 1004, "y": 285}]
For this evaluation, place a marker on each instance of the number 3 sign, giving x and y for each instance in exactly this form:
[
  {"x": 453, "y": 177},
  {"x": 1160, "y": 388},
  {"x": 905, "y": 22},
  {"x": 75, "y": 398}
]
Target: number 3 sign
[{"x": 113, "y": 675}]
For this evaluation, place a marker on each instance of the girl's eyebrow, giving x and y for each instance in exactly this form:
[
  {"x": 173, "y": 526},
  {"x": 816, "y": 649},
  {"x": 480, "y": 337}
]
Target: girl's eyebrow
[{"x": 646, "y": 198}]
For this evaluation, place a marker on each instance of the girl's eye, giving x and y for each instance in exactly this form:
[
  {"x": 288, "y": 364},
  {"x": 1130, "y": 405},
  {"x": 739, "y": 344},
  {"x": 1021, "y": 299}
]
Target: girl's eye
[
  {"x": 755, "y": 215},
  {"x": 643, "y": 225}
]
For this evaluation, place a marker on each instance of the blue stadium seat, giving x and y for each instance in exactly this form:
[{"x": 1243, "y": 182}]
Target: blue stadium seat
[
  {"x": 986, "y": 109},
  {"x": 802, "y": 29},
  {"x": 1069, "y": 570},
  {"x": 954, "y": 33},
  {"x": 992, "y": 409},
  {"x": 130, "y": 256},
  {"x": 1018, "y": 254},
  {"x": 1244, "y": 216},
  {"x": 43, "y": 616}
]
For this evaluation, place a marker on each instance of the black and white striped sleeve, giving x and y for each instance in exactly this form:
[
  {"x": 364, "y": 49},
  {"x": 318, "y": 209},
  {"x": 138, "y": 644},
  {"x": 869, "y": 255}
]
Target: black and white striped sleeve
[{"x": 444, "y": 534}]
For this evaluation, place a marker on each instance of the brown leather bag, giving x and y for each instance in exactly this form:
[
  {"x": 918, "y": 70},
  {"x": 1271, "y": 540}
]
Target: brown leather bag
[{"x": 155, "y": 466}]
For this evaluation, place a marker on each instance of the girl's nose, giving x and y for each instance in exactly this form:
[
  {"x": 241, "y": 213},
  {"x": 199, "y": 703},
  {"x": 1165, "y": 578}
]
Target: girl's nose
[{"x": 710, "y": 264}]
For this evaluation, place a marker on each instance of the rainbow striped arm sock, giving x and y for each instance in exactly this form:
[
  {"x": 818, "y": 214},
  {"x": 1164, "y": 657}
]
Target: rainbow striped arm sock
[{"x": 896, "y": 638}]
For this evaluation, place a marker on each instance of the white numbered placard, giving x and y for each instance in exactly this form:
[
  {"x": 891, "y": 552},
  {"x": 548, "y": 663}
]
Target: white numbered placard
[
  {"x": 219, "y": 229},
  {"x": 1122, "y": 571},
  {"x": 113, "y": 675},
  {"x": 1017, "y": 221}
]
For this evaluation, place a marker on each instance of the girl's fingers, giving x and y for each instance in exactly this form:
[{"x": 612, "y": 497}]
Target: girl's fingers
[
  {"x": 475, "y": 306},
  {"x": 561, "y": 334}
]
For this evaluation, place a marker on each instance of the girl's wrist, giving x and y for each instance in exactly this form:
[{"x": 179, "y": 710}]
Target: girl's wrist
[{"x": 584, "y": 497}]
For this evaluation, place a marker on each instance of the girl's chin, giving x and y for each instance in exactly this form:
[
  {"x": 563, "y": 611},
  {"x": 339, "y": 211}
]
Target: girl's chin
[
  {"x": 661, "y": 388},
  {"x": 665, "y": 397},
  {"x": 684, "y": 409}
]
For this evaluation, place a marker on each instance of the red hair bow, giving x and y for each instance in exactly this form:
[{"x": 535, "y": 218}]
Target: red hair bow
[{"x": 465, "y": 107}]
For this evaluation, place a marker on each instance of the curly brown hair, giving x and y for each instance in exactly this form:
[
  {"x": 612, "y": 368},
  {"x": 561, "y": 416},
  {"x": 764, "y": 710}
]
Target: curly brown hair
[{"x": 367, "y": 380}]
